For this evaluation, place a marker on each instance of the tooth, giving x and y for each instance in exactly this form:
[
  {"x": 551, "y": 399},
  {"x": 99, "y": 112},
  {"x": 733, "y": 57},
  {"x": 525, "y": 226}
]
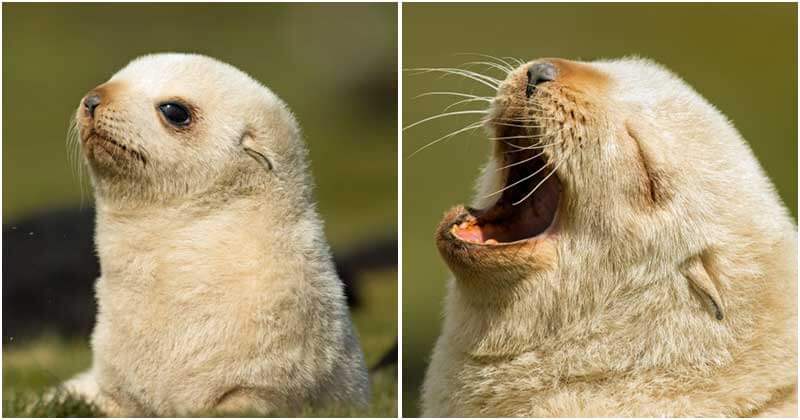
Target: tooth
[{"x": 491, "y": 242}]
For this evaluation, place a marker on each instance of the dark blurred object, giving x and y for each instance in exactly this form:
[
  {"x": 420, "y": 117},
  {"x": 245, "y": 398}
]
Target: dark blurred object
[
  {"x": 50, "y": 266},
  {"x": 376, "y": 88},
  {"x": 388, "y": 359},
  {"x": 369, "y": 255}
]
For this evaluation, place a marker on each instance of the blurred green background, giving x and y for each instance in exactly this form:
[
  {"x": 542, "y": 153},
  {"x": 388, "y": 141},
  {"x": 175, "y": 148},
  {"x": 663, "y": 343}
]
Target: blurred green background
[
  {"x": 334, "y": 64},
  {"x": 742, "y": 58}
]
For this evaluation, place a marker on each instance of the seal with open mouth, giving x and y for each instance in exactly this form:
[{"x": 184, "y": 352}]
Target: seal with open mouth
[{"x": 626, "y": 256}]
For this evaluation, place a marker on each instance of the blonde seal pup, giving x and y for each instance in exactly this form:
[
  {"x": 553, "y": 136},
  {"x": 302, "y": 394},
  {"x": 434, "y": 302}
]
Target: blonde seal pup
[
  {"x": 627, "y": 256},
  {"x": 217, "y": 289}
]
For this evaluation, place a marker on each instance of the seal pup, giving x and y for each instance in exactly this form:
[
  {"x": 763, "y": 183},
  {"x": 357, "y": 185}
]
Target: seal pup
[
  {"x": 217, "y": 290},
  {"x": 626, "y": 256}
]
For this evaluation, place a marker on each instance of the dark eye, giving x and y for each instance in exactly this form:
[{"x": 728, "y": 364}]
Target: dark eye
[{"x": 176, "y": 114}]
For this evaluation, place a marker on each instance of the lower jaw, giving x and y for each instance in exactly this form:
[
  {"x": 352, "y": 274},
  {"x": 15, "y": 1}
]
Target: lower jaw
[
  {"x": 501, "y": 261},
  {"x": 514, "y": 218},
  {"x": 465, "y": 225}
]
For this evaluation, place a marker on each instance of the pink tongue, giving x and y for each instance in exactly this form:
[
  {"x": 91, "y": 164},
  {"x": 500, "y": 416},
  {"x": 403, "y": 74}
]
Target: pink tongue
[{"x": 469, "y": 233}]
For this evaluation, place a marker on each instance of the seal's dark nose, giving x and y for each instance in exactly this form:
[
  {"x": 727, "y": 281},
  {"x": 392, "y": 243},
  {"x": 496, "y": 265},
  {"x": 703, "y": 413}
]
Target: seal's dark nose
[
  {"x": 90, "y": 103},
  {"x": 539, "y": 73}
]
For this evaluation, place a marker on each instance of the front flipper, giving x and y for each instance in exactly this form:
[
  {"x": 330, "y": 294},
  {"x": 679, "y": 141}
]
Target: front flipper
[{"x": 85, "y": 387}]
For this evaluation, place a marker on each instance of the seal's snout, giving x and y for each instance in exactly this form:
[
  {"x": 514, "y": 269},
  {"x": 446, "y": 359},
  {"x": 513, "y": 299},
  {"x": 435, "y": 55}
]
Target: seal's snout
[
  {"x": 90, "y": 103},
  {"x": 539, "y": 73},
  {"x": 98, "y": 96}
]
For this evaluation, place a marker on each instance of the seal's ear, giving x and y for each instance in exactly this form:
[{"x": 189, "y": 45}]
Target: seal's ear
[
  {"x": 252, "y": 148},
  {"x": 695, "y": 271}
]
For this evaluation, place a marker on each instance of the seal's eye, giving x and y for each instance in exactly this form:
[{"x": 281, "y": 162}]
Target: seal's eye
[{"x": 176, "y": 114}]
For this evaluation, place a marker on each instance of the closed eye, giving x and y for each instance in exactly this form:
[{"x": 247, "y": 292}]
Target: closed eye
[{"x": 654, "y": 180}]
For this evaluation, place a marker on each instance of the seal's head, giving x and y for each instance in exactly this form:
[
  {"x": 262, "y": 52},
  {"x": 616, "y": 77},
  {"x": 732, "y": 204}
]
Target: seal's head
[
  {"x": 608, "y": 181},
  {"x": 172, "y": 126}
]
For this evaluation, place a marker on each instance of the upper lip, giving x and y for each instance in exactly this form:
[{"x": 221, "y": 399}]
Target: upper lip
[{"x": 131, "y": 151}]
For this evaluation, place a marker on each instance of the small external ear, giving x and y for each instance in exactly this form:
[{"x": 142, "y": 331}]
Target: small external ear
[
  {"x": 252, "y": 148},
  {"x": 695, "y": 271}
]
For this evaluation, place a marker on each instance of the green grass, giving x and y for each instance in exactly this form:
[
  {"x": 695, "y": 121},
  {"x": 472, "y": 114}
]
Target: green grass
[
  {"x": 713, "y": 47},
  {"x": 34, "y": 367}
]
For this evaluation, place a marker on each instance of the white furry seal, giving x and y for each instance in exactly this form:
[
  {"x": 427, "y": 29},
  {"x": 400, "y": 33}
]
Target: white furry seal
[
  {"x": 627, "y": 257},
  {"x": 217, "y": 288}
]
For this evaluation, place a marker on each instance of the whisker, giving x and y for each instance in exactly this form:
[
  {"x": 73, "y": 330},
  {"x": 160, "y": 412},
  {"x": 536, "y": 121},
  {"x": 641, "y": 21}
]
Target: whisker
[
  {"x": 517, "y": 125},
  {"x": 493, "y": 81},
  {"x": 535, "y": 106},
  {"x": 529, "y": 107},
  {"x": 491, "y": 65},
  {"x": 467, "y": 128},
  {"x": 491, "y": 57},
  {"x": 517, "y": 60},
  {"x": 463, "y": 101},
  {"x": 74, "y": 155},
  {"x": 517, "y": 119},
  {"x": 521, "y": 136},
  {"x": 463, "y": 95},
  {"x": 530, "y": 137},
  {"x": 521, "y": 161},
  {"x": 517, "y": 182},
  {"x": 531, "y": 147},
  {"x": 481, "y": 78},
  {"x": 446, "y": 114},
  {"x": 72, "y": 144},
  {"x": 542, "y": 181}
]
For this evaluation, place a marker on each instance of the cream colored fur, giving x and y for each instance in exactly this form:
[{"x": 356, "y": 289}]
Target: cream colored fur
[
  {"x": 614, "y": 327},
  {"x": 217, "y": 289}
]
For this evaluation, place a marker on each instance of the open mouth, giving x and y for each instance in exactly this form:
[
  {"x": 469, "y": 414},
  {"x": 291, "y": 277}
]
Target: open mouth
[{"x": 528, "y": 205}]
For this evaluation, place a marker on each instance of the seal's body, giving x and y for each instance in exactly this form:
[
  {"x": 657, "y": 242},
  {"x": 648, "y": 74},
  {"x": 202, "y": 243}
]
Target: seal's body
[
  {"x": 627, "y": 256},
  {"x": 217, "y": 288}
]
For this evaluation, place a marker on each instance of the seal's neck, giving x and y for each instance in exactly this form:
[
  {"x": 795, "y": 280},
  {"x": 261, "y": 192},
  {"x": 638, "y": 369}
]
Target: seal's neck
[
  {"x": 652, "y": 351},
  {"x": 191, "y": 241},
  {"x": 574, "y": 319}
]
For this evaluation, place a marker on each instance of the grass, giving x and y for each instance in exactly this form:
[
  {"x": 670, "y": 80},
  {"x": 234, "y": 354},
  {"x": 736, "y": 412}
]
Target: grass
[{"x": 34, "y": 367}]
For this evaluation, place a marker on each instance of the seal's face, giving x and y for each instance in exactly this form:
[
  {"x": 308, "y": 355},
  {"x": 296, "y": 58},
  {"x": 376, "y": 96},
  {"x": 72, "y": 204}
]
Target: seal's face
[
  {"x": 623, "y": 230},
  {"x": 588, "y": 158},
  {"x": 176, "y": 124}
]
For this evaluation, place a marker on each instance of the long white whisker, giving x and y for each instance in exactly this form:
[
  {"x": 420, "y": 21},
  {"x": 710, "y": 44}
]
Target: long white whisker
[
  {"x": 467, "y": 128},
  {"x": 517, "y": 60},
  {"x": 491, "y": 80},
  {"x": 446, "y": 114},
  {"x": 74, "y": 155},
  {"x": 483, "y": 79},
  {"x": 521, "y": 136},
  {"x": 541, "y": 182},
  {"x": 491, "y": 65},
  {"x": 463, "y": 101},
  {"x": 521, "y": 161},
  {"x": 531, "y": 147},
  {"x": 491, "y": 57},
  {"x": 518, "y": 182},
  {"x": 463, "y": 95},
  {"x": 529, "y": 136},
  {"x": 517, "y": 125}
]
